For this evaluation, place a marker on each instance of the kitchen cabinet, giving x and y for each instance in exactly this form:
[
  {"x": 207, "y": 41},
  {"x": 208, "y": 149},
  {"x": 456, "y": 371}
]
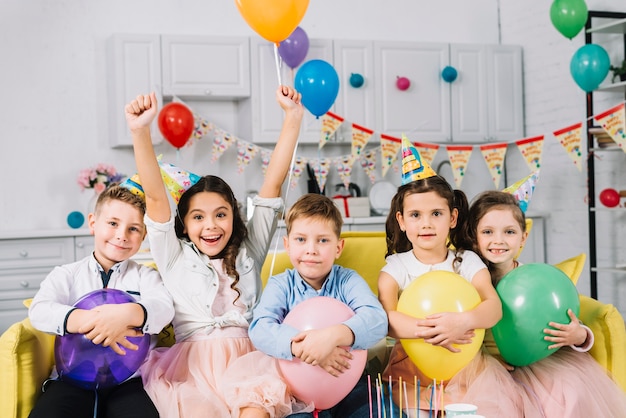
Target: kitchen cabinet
[
  {"x": 205, "y": 66},
  {"x": 134, "y": 62},
  {"x": 606, "y": 225},
  {"x": 261, "y": 117}
]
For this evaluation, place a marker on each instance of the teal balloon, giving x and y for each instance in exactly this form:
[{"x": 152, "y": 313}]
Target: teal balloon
[
  {"x": 569, "y": 16},
  {"x": 589, "y": 66},
  {"x": 532, "y": 295},
  {"x": 318, "y": 83}
]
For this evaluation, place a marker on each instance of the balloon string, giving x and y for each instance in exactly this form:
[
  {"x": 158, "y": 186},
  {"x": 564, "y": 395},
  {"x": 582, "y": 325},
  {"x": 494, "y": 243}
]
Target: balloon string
[{"x": 278, "y": 64}]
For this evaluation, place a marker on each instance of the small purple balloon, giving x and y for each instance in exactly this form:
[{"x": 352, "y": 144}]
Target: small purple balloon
[
  {"x": 92, "y": 366},
  {"x": 293, "y": 50}
]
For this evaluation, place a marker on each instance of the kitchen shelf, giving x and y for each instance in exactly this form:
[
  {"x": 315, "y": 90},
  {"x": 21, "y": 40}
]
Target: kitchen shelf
[
  {"x": 615, "y": 87},
  {"x": 618, "y": 26}
]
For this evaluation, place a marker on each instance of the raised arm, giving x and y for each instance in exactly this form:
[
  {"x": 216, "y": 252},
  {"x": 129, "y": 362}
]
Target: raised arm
[
  {"x": 290, "y": 102},
  {"x": 139, "y": 115}
]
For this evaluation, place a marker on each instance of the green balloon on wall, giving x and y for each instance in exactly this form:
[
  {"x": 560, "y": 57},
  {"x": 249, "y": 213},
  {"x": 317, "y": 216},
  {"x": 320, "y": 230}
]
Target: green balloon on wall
[{"x": 569, "y": 16}]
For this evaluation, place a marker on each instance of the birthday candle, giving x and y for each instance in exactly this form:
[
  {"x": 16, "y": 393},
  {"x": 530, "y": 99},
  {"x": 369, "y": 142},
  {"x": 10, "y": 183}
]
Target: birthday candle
[
  {"x": 369, "y": 394},
  {"x": 430, "y": 406},
  {"x": 390, "y": 398},
  {"x": 406, "y": 400},
  {"x": 419, "y": 387},
  {"x": 382, "y": 397},
  {"x": 400, "y": 386},
  {"x": 378, "y": 398},
  {"x": 442, "y": 404},
  {"x": 436, "y": 405}
]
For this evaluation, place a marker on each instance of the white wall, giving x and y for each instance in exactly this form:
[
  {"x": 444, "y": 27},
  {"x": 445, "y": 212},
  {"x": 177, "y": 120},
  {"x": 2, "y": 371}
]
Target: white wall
[{"x": 54, "y": 99}]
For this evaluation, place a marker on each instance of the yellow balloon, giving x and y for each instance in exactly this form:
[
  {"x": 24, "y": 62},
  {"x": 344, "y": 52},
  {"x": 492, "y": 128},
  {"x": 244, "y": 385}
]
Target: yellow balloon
[
  {"x": 435, "y": 292},
  {"x": 274, "y": 20}
]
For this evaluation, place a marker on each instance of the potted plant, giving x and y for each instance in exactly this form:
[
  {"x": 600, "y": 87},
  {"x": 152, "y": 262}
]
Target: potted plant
[{"x": 619, "y": 71}]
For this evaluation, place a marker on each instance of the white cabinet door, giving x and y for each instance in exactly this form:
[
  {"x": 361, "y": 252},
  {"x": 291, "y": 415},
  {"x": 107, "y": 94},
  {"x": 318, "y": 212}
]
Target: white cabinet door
[
  {"x": 423, "y": 111},
  {"x": 205, "y": 66},
  {"x": 261, "y": 116},
  {"x": 355, "y": 104},
  {"x": 135, "y": 68}
]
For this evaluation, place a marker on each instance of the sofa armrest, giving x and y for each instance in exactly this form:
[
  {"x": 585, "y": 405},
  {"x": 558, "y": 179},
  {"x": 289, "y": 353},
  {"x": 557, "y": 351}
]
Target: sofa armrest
[
  {"x": 610, "y": 336},
  {"x": 26, "y": 360}
]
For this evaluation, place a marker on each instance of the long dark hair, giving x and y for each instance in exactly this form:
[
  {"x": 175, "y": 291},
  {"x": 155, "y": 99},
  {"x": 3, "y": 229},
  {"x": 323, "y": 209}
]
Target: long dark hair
[
  {"x": 215, "y": 184},
  {"x": 397, "y": 241}
]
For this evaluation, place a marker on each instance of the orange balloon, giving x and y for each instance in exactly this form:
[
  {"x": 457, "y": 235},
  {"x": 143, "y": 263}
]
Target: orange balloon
[
  {"x": 436, "y": 292},
  {"x": 274, "y": 20}
]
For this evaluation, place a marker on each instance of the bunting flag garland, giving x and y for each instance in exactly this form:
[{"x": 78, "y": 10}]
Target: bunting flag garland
[
  {"x": 265, "y": 159},
  {"x": 245, "y": 153},
  {"x": 201, "y": 126},
  {"x": 368, "y": 162},
  {"x": 571, "y": 137},
  {"x": 389, "y": 148},
  {"x": 494, "y": 154},
  {"x": 360, "y": 137},
  {"x": 222, "y": 141},
  {"x": 298, "y": 167},
  {"x": 427, "y": 151},
  {"x": 531, "y": 149},
  {"x": 459, "y": 156},
  {"x": 330, "y": 124},
  {"x": 321, "y": 168},
  {"x": 613, "y": 121},
  {"x": 344, "y": 168}
]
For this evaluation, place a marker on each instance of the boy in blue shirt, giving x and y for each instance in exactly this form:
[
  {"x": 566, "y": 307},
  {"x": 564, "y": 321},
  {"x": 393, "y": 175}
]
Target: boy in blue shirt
[{"x": 313, "y": 243}]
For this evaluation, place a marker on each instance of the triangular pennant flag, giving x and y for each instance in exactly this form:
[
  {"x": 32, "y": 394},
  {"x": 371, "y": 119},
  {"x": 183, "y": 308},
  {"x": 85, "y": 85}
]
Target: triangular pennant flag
[
  {"x": 531, "y": 149},
  {"x": 389, "y": 148},
  {"x": 344, "y": 168},
  {"x": 523, "y": 190},
  {"x": 201, "y": 126},
  {"x": 330, "y": 124},
  {"x": 613, "y": 121},
  {"x": 368, "y": 162},
  {"x": 427, "y": 151},
  {"x": 321, "y": 168},
  {"x": 266, "y": 154},
  {"x": 222, "y": 141},
  {"x": 413, "y": 166},
  {"x": 360, "y": 137},
  {"x": 459, "y": 156},
  {"x": 571, "y": 138},
  {"x": 245, "y": 153},
  {"x": 176, "y": 181},
  {"x": 298, "y": 167},
  {"x": 494, "y": 154}
]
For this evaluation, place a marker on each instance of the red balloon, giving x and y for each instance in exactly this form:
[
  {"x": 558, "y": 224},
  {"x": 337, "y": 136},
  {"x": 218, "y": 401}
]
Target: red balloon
[
  {"x": 609, "y": 198},
  {"x": 176, "y": 123}
]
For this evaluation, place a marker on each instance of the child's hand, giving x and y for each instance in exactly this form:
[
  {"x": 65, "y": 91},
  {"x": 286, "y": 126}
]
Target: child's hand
[
  {"x": 337, "y": 362},
  {"x": 141, "y": 112},
  {"x": 444, "y": 329},
  {"x": 504, "y": 363},
  {"x": 566, "y": 334},
  {"x": 110, "y": 324},
  {"x": 290, "y": 100},
  {"x": 313, "y": 346}
]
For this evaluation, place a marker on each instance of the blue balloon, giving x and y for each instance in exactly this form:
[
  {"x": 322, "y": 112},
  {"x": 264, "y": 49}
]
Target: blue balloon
[
  {"x": 75, "y": 219},
  {"x": 589, "y": 66},
  {"x": 318, "y": 82},
  {"x": 449, "y": 74}
]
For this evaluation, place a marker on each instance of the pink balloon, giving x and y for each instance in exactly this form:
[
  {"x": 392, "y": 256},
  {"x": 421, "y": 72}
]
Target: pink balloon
[{"x": 312, "y": 383}]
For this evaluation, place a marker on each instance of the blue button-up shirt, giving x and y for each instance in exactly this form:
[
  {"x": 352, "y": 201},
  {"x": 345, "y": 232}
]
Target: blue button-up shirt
[{"x": 284, "y": 291}]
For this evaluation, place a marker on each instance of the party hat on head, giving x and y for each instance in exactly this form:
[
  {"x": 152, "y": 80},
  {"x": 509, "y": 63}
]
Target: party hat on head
[
  {"x": 176, "y": 181},
  {"x": 413, "y": 166},
  {"x": 523, "y": 190}
]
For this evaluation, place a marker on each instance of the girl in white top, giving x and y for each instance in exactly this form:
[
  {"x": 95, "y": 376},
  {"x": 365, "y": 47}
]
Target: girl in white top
[
  {"x": 426, "y": 215},
  {"x": 210, "y": 262}
]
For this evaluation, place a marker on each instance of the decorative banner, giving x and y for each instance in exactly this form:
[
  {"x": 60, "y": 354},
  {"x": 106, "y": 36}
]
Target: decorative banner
[
  {"x": 222, "y": 141},
  {"x": 298, "y": 167},
  {"x": 427, "y": 151},
  {"x": 531, "y": 149},
  {"x": 360, "y": 136},
  {"x": 613, "y": 122},
  {"x": 344, "y": 168},
  {"x": 389, "y": 148},
  {"x": 368, "y": 162},
  {"x": 494, "y": 158},
  {"x": 321, "y": 168},
  {"x": 459, "y": 156},
  {"x": 570, "y": 138},
  {"x": 330, "y": 124},
  {"x": 201, "y": 126},
  {"x": 265, "y": 159},
  {"x": 245, "y": 153}
]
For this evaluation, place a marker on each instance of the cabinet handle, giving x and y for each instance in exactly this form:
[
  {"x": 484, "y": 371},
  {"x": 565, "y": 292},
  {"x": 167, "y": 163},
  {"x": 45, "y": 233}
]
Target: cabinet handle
[
  {"x": 208, "y": 92},
  {"x": 24, "y": 283},
  {"x": 80, "y": 245},
  {"x": 23, "y": 253}
]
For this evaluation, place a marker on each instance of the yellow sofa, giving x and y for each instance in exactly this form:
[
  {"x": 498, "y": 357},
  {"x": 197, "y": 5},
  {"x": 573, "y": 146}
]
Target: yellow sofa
[{"x": 26, "y": 355}]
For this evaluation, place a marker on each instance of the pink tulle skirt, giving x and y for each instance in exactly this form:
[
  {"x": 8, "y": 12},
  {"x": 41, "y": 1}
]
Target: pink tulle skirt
[
  {"x": 570, "y": 384},
  {"x": 197, "y": 378}
]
